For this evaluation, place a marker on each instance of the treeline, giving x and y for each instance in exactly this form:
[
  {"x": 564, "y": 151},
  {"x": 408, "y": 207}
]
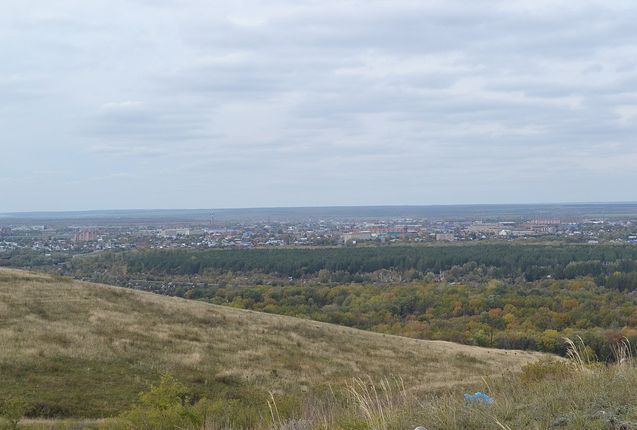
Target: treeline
[
  {"x": 534, "y": 316},
  {"x": 499, "y": 295},
  {"x": 30, "y": 258},
  {"x": 530, "y": 262}
]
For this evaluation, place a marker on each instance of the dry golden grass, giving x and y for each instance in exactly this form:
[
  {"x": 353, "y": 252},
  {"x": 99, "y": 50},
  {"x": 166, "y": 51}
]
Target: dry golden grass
[{"x": 88, "y": 349}]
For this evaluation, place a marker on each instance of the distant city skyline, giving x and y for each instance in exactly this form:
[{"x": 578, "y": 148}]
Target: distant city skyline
[{"x": 120, "y": 104}]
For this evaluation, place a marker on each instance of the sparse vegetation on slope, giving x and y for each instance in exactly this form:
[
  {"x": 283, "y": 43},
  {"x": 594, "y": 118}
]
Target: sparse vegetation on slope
[
  {"x": 575, "y": 394},
  {"x": 74, "y": 349},
  {"x": 548, "y": 394}
]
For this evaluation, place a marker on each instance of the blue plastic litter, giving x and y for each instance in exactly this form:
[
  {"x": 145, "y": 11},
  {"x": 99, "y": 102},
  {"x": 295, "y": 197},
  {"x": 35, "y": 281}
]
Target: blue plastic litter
[{"x": 478, "y": 397}]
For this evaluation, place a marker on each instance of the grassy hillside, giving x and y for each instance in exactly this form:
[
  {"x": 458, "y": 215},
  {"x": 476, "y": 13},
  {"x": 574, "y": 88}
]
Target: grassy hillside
[{"x": 86, "y": 350}]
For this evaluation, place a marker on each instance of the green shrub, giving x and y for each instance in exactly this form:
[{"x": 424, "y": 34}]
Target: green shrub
[
  {"x": 546, "y": 369},
  {"x": 166, "y": 406},
  {"x": 170, "y": 405},
  {"x": 12, "y": 410}
]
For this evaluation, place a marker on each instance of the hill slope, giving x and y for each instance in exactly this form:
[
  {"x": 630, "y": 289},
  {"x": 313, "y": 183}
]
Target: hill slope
[{"x": 87, "y": 350}]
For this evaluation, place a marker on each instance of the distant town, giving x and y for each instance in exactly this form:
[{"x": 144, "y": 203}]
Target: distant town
[{"x": 77, "y": 236}]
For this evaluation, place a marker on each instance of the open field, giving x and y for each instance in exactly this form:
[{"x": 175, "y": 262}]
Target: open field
[{"x": 85, "y": 350}]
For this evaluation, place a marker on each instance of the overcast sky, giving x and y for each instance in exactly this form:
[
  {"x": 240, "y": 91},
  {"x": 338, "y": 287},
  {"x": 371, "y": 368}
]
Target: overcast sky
[{"x": 208, "y": 104}]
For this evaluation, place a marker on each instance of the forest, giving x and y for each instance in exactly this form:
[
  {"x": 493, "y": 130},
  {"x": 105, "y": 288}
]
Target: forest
[
  {"x": 508, "y": 261},
  {"x": 535, "y": 316},
  {"x": 505, "y": 296}
]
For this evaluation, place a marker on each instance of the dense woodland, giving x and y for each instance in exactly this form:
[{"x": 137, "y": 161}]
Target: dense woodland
[
  {"x": 532, "y": 262},
  {"x": 502, "y": 295}
]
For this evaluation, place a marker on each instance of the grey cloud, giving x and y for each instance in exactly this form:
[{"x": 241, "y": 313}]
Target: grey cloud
[
  {"x": 448, "y": 95},
  {"x": 141, "y": 123}
]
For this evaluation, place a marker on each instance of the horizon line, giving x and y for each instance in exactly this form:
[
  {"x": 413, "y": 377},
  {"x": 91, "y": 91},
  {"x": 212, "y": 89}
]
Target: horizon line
[{"x": 80, "y": 211}]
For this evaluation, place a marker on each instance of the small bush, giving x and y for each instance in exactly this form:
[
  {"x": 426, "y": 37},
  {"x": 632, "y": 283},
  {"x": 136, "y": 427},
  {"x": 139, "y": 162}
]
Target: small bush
[
  {"x": 170, "y": 405},
  {"x": 166, "y": 406},
  {"x": 12, "y": 410},
  {"x": 546, "y": 369}
]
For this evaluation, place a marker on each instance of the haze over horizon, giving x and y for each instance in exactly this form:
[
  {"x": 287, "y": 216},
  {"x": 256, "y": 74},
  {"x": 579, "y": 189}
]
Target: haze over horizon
[
  {"x": 569, "y": 210},
  {"x": 149, "y": 104},
  {"x": 80, "y": 210}
]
